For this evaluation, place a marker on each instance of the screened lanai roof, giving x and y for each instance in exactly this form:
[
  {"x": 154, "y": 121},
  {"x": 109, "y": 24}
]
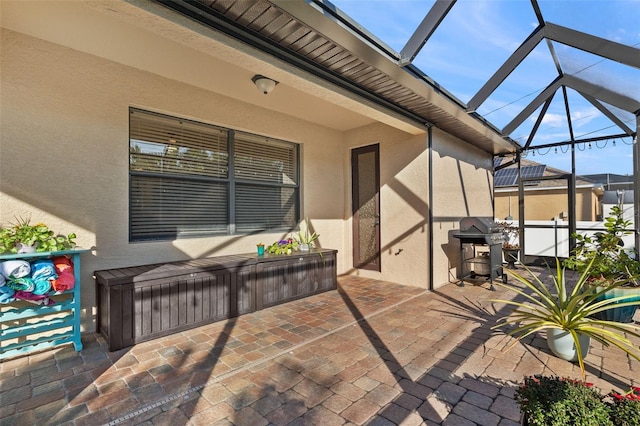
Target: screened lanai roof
[{"x": 500, "y": 74}]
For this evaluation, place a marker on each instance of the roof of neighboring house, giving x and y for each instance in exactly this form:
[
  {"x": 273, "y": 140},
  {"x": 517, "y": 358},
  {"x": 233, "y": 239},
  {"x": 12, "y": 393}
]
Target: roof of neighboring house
[
  {"x": 609, "y": 178},
  {"x": 508, "y": 176}
]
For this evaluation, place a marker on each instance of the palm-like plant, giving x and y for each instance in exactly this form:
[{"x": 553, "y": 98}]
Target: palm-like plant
[{"x": 557, "y": 308}]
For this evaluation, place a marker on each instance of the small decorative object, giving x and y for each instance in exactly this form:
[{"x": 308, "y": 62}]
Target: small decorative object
[
  {"x": 570, "y": 312},
  {"x": 23, "y": 237},
  {"x": 613, "y": 267},
  {"x": 306, "y": 238},
  {"x": 287, "y": 246},
  {"x": 260, "y": 249}
]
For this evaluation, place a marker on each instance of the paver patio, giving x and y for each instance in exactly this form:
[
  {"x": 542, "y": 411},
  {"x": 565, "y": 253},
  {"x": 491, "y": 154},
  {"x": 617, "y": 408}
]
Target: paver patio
[{"x": 372, "y": 352}]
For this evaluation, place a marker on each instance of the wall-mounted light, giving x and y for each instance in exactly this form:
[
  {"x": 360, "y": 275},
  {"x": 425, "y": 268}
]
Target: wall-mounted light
[{"x": 264, "y": 84}]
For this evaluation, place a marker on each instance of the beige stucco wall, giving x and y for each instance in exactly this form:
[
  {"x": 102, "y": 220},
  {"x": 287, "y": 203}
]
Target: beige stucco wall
[
  {"x": 64, "y": 154},
  {"x": 547, "y": 204},
  {"x": 404, "y": 229},
  {"x": 64, "y": 157},
  {"x": 462, "y": 186}
]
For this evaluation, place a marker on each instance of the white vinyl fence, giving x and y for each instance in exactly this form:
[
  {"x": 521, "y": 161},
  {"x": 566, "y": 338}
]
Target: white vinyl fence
[{"x": 550, "y": 238}]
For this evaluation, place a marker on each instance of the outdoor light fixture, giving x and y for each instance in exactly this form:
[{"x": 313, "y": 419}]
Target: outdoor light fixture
[{"x": 264, "y": 84}]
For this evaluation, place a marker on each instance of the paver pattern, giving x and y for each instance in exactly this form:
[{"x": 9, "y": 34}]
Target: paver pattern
[{"x": 370, "y": 353}]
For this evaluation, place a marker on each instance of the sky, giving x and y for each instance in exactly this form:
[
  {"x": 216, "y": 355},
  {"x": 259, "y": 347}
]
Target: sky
[{"x": 477, "y": 36}]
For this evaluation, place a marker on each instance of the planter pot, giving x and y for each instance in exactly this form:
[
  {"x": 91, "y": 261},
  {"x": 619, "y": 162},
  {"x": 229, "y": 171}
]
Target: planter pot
[
  {"x": 510, "y": 256},
  {"x": 22, "y": 248},
  {"x": 561, "y": 344},
  {"x": 624, "y": 314},
  {"x": 303, "y": 247}
]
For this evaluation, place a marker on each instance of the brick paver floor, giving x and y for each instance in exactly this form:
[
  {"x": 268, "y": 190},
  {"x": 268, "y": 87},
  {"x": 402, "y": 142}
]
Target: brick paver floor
[{"x": 372, "y": 352}]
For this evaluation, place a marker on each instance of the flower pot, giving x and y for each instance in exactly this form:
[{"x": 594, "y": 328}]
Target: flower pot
[
  {"x": 561, "y": 344},
  {"x": 303, "y": 247},
  {"x": 623, "y": 314},
  {"x": 23, "y": 248},
  {"x": 511, "y": 256}
]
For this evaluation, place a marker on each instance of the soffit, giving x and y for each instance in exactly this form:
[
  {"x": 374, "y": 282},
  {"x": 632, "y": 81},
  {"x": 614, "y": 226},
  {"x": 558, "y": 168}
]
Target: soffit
[{"x": 302, "y": 34}]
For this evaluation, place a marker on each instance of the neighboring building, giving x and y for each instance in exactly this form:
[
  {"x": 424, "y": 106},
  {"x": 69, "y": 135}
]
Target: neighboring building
[{"x": 544, "y": 199}]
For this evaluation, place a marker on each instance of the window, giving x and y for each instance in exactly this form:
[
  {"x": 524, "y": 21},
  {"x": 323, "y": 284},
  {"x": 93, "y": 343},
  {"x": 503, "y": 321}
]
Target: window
[{"x": 190, "y": 179}]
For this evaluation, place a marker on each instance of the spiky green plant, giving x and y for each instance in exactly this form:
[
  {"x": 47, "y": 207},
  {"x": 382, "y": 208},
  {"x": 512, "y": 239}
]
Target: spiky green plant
[{"x": 569, "y": 311}]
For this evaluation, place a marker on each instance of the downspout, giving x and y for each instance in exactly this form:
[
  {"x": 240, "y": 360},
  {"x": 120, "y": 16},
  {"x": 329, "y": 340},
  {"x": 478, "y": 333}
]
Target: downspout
[
  {"x": 636, "y": 183},
  {"x": 430, "y": 198}
]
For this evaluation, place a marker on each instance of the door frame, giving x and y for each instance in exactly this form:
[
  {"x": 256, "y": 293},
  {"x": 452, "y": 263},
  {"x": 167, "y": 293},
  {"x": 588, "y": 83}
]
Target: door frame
[{"x": 375, "y": 263}]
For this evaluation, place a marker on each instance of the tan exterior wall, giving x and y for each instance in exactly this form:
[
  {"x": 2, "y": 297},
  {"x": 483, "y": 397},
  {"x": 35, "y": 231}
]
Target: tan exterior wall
[
  {"x": 404, "y": 229},
  {"x": 64, "y": 148},
  {"x": 547, "y": 204},
  {"x": 64, "y": 154},
  {"x": 462, "y": 186}
]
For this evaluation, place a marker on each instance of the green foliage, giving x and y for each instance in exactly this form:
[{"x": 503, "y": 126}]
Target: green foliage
[
  {"x": 625, "y": 408},
  {"x": 556, "y": 401},
  {"x": 560, "y": 401},
  {"x": 605, "y": 251},
  {"x": 283, "y": 247},
  {"x": 571, "y": 311},
  {"x": 305, "y": 236},
  {"x": 38, "y": 235}
]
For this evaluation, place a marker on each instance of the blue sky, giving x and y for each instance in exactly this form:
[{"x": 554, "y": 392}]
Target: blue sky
[{"x": 478, "y": 35}]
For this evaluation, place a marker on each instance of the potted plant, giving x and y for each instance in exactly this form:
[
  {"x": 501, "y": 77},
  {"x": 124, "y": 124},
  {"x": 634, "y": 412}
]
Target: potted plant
[
  {"x": 613, "y": 267},
  {"x": 283, "y": 246},
  {"x": 625, "y": 407},
  {"x": 546, "y": 400},
  {"x": 553, "y": 400},
  {"x": 565, "y": 316},
  {"x": 511, "y": 243},
  {"x": 23, "y": 237},
  {"x": 306, "y": 238}
]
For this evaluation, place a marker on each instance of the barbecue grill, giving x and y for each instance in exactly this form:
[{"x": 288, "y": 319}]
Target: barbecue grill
[{"x": 480, "y": 249}]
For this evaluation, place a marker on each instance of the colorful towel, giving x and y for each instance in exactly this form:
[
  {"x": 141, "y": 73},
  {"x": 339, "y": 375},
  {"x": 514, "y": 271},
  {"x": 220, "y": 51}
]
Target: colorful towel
[
  {"x": 43, "y": 269},
  {"x": 41, "y": 286},
  {"x": 15, "y": 269},
  {"x": 21, "y": 284},
  {"x": 33, "y": 298},
  {"x": 6, "y": 294},
  {"x": 64, "y": 269}
]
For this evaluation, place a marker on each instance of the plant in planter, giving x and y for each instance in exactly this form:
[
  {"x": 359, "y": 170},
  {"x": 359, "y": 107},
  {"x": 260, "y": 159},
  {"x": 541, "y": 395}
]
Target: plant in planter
[
  {"x": 283, "y": 247},
  {"x": 612, "y": 266},
  {"x": 559, "y": 401},
  {"x": 511, "y": 243},
  {"x": 306, "y": 238},
  {"x": 625, "y": 408},
  {"x": 546, "y": 401},
  {"x": 565, "y": 316},
  {"x": 23, "y": 237}
]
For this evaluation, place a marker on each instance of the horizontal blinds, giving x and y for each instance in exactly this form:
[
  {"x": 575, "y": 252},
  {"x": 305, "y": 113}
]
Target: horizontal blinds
[
  {"x": 162, "y": 144},
  {"x": 165, "y": 207},
  {"x": 263, "y": 208},
  {"x": 179, "y": 180},
  {"x": 265, "y": 160}
]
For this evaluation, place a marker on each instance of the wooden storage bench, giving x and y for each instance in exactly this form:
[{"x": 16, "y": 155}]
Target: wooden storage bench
[{"x": 140, "y": 303}]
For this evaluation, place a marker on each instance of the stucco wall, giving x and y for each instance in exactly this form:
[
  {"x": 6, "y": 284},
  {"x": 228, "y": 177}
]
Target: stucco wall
[
  {"x": 64, "y": 154},
  {"x": 462, "y": 186},
  {"x": 404, "y": 229}
]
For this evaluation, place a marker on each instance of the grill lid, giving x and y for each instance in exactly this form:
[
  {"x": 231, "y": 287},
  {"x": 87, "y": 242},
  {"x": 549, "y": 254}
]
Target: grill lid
[{"x": 478, "y": 225}]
